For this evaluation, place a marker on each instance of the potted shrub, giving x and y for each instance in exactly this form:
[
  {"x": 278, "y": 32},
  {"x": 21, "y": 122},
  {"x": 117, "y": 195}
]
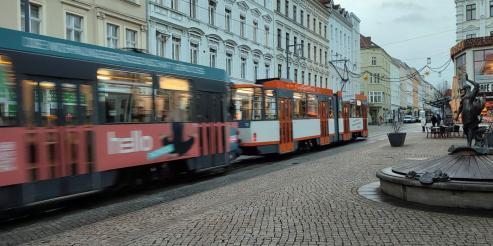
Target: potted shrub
[{"x": 397, "y": 137}]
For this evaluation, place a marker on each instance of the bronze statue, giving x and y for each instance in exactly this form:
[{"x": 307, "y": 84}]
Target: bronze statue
[{"x": 470, "y": 109}]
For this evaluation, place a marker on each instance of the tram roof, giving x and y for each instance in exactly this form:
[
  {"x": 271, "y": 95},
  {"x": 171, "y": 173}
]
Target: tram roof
[
  {"x": 280, "y": 84},
  {"x": 45, "y": 45}
]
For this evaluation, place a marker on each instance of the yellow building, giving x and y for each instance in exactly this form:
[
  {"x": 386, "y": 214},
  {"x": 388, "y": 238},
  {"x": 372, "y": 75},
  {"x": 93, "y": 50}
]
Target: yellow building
[{"x": 110, "y": 23}]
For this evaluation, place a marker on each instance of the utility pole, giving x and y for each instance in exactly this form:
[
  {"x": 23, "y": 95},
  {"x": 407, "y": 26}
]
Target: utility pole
[
  {"x": 287, "y": 56},
  {"x": 27, "y": 24}
]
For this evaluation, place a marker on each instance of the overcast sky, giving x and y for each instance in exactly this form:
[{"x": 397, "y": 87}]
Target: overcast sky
[{"x": 410, "y": 30}]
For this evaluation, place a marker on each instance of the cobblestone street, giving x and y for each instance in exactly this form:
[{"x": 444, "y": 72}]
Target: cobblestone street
[{"x": 307, "y": 199}]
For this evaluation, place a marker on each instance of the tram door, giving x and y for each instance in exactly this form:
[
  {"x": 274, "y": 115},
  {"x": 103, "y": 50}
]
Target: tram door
[
  {"x": 58, "y": 115},
  {"x": 323, "y": 111},
  {"x": 286, "y": 125}
]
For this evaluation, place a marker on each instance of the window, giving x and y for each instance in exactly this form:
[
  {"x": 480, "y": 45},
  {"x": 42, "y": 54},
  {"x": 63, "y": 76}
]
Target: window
[
  {"x": 470, "y": 12},
  {"x": 373, "y": 61},
  {"x": 160, "y": 44},
  {"x": 229, "y": 62},
  {"x": 312, "y": 106},
  {"x": 255, "y": 30},
  {"x": 279, "y": 70},
  {"x": 8, "y": 104},
  {"x": 375, "y": 96},
  {"x": 303, "y": 77},
  {"x": 483, "y": 68},
  {"x": 299, "y": 105},
  {"x": 278, "y": 6},
  {"x": 320, "y": 56},
  {"x": 34, "y": 18},
  {"x": 315, "y": 53},
  {"x": 287, "y": 41},
  {"x": 212, "y": 57},
  {"x": 267, "y": 71},
  {"x": 295, "y": 76},
  {"x": 193, "y": 9},
  {"x": 320, "y": 28},
  {"x": 325, "y": 31},
  {"x": 112, "y": 36},
  {"x": 270, "y": 105},
  {"x": 295, "y": 43},
  {"x": 247, "y": 104},
  {"x": 309, "y": 78},
  {"x": 301, "y": 17},
  {"x": 243, "y": 67},
  {"x": 471, "y": 35},
  {"x": 491, "y": 8},
  {"x": 242, "y": 25},
  {"x": 308, "y": 21},
  {"x": 227, "y": 20},
  {"x": 255, "y": 70},
  {"x": 174, "y": 4},
  {"x": 286, "y": 8},
  {"x": 314, "y": 24},
  {"x": 302, "y": 48},
  {"x": 279, "y": 37},
  {"x": 288, "y": 72},
  {"x": 266, "y": 36},
  {"x": 130, "y": 38},
  {"x": 326, "y": 58},
  {"x": 212, "y": 13},
  {"x": 491, "y": 33},
  {"x": 125, "y": 96},
  {"x": 309, "y": 50},
  {"x": 295, "y": 15},
  {"x": 73, "y": 27},
  {"x": 172, "y": 100},
  {"x": 176, "y": 48},
  {"x": 194, "y": 53},
  {"x": 315, "y": 80}
]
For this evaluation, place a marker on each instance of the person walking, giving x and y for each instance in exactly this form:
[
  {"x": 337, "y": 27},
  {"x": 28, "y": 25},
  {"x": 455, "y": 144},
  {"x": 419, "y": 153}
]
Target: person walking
[
  {"x": 433, "y": 120},
  {"x": 423, "y": 123},
  {"x": 439, "y": 119}
]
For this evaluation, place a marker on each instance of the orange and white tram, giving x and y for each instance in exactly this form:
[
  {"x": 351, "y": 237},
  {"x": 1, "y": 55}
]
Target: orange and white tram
[{"x": 276, "y": 116}]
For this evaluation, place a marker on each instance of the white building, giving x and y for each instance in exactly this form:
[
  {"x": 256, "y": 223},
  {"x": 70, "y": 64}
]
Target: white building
[
  {"x": 233, "y": 35},
  {"x": 344, "y": 45},
  {"x": 303, "y": 24},
  {"x": 474, "y": 18}
]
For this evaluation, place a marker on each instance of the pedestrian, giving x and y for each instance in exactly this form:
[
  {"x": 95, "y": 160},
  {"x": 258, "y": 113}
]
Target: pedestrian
[
  {"x": 423, "y": 123},
  {"x": 433, "y": 120},
  {"x": 439, "y": 119},
  {"x": 380, "y": 121}
]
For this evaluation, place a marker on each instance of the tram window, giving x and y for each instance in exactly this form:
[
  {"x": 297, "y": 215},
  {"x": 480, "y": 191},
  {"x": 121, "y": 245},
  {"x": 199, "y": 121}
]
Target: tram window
[
  {"x": 300, "y": 105},
  {"x": 331, "y": 110},
  {"x": 29, "y": 103},
  {"x": 247, "y": 104},
  {"x": 86, "y": 105},
  {"x": 173, "y": 100},
  {"x": 312, "y": 111},
  {"x": 125, "y": 96},
  {"x": 355, "y": 111},
  {"x": 69, "y": 103},
  {"x": 8, "y": 105},
  {"x": 49, "y": 106},
  {"x": 270, "y": 105}
]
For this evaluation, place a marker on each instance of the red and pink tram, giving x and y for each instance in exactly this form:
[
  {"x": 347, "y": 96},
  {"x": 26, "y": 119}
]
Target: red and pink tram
[
  {"x": 76, "y": 118},
  {"x": 356, "y": 120},
  {"x": 277, "y": 116}
]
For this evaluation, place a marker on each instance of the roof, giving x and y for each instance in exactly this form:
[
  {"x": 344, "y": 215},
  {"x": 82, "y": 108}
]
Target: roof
[
  {"x": 366, "y": 43},
  {"x": 50, "y": 46}
]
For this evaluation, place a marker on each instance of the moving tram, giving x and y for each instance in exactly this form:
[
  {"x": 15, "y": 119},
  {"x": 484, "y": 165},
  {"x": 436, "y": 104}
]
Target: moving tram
[{"x": 77, "y": 118}]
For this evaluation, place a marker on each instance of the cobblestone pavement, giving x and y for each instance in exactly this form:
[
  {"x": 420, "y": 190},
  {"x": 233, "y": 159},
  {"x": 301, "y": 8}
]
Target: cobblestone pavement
[{"x": 303, "y": 200}]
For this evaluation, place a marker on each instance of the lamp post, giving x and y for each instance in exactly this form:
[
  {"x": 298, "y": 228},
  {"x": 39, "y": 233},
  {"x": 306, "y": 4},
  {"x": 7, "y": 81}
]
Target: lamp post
[{"x": 287, "y": 56}]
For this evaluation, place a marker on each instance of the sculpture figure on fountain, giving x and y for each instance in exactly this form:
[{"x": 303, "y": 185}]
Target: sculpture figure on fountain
[{"x": 470, "y": 109}]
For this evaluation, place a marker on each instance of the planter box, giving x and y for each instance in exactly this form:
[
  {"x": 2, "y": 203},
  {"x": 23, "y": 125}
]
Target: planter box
[{"x": 396, "y": 139}]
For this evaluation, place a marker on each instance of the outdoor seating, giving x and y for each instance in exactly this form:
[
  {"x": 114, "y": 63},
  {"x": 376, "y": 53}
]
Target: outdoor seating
[{"x": 433, "y": 131}]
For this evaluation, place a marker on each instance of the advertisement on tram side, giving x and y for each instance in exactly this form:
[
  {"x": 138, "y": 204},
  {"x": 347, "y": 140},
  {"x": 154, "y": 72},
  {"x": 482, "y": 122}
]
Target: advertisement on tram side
[{"x": 12, "y": 159}]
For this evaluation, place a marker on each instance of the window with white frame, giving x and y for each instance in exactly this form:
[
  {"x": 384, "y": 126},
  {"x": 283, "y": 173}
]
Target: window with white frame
[
  {"x": 470, "y": 12},
  {"x": 193, "y": 8},
  {"x": 194, "y": 53},
  {"x": 242, "y": 26},
  {"x": 130, "y": 38},
  {"x": 112, "y": 35},
  {"x": 301, "y": 17},
  {"x": 303, "y": 77},
  {"x": 473, "y": 35},
  {"x": 267, "y": 71},
  {"x": 212, "y": 13},
  {"x": 266, "y": 36},
  {"x": 295, "y": 14},
  {"x": 309, "y": 78},
  {"x": 279, "y": 38},
  {"x": 286, "y": 8},
  {"x": 376, "y": 96},
  {"x": 176, "y": 49},
  {"x": 34, "y": 18},
  {"x": 243, "y": 67},
  {"x": 295, "y": 75},
  {"x": 229, "y": 62},
  {"x": 73, "y": 27},
  {"x": 373, "y": 60},
  {"x": 160, "y": 44},
  {"x": 212, "y": 57},
  {"x": 255, "y": 30},
  {"x": 279, "y": 70},
  {"x": 174, "y": 4},
  {"x": 227, "y": 19},
  {"x": 255, "y": 70},
  {"x": 315, "y": 53}
]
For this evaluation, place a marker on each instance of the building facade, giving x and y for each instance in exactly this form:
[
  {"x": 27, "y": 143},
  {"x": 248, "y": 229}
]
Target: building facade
[
  {"x": 344, "y": 51},
  {"x": 375, "y": 67},
  {"x": 474, "y": 19},
  {"x": 236, "y": 36},
  {"x": 115, "y": 24},
  {"x": 395, "y": 88}
]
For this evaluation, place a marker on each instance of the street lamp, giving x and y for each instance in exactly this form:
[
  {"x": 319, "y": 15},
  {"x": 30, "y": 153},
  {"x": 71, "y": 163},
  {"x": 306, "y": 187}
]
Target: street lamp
[{"x": 299, "y": 46}]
